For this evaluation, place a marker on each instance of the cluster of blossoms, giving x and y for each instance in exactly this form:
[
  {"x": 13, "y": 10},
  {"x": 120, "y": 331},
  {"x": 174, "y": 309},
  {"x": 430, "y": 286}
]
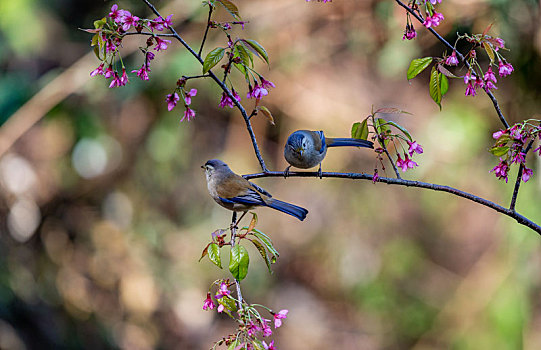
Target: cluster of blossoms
[
  {"x": 407, "y": 162},
  {"x": 510, "y": 148},
  {"x": 252, "y": 324},
  {"x": 432, "y": 18},
  {"x": 173, "y": 98}
]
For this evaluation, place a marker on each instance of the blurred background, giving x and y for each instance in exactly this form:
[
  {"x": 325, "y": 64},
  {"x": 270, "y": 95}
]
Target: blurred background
[{"x": 104, "y": 209}]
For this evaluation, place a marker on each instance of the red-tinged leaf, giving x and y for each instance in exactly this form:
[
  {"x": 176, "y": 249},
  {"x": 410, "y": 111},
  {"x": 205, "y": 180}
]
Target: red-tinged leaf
[
  {"x": 231, "y": 8},
  {"x": 205, "y": 251},
  {"x": 391, "y": 110},
  {"x": 213, "y": 58},
  {"x": 445, "y": 71},
  {"x": 359, "y": 130},
  {"x": 238, "y": 262},
  {"x": 214, "y": 254},
  {"x": 253, "y": 222},
  {"x": 487, "y": 29},
  {"x": 256, "y": 48},
  {"x": 417, "y": 66},
  {"x": 266, "y": 113}
]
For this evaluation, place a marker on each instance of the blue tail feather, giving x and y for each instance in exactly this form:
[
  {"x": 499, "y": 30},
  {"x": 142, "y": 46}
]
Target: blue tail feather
[
  {"x": 340, "y": 142},
  {"x": 291, "y": 209}
]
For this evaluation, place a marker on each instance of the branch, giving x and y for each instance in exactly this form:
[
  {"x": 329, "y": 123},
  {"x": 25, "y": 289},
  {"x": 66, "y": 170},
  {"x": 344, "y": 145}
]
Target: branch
[
  {"x": 409, "y": 183},
  {"x": 519, "y": 178},
  {"x": 222, "y": 85},
  {"x": 206, "y": 31},
  {"x": 461, "y": 57}
]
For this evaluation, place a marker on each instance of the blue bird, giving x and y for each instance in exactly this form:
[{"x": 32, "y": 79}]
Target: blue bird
[
  {"x": 305, "y": 149},
  {"x": 235, "y": 193}
]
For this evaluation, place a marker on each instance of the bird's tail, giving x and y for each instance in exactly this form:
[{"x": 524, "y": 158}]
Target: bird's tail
[
  {"x": 339, "y": 142},
  {"x": 291, "y": 209}
]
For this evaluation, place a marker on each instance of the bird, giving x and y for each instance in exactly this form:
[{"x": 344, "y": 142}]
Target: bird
[
  {"x": 235, "y": 193},
  {"x": 305, "y": 149}
]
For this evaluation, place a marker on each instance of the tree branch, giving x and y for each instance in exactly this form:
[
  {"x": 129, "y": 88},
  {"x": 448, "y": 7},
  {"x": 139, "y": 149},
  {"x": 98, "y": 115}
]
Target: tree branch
[
  {"x": 222, "y": 86},
  {"x": 519, "y": 178},
  {"x": 409, "y": 183},
  {"x": 460, "y": 57}
]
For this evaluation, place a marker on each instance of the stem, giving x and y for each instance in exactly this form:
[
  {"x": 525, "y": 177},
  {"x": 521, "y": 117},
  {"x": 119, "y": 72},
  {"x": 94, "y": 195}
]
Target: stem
[
  {"x": 233, "y": 236},
  {"x": 206, "y": 30},
  {"x": 224, "y": 88},
  {"x": 409, "y": 183},
  {"x": 382, "y": 143},
  {"x": 519, "y": 178},
  {"x": 460, "y": 57}
]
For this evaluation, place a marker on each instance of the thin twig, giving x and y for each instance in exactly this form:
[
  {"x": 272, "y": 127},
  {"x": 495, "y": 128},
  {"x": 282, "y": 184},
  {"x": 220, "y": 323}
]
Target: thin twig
[
  {"x": 460, "y": 57},
  {"x": 409, "y": 183},
  {"x": 382, "y": 143},
  {"x": 206, "y": 30},
  {"x": 519, "y": 178},
  {"x": 224, "y": 88},
  {"x": 233, "y": 236}
]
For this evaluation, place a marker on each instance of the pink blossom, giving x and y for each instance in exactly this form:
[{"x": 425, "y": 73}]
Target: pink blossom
[
  {"x": 451, "y": 60},
  {"x": 172, "y": 100},
  {"x": 410, "y": 32},
  {"x": 501, "y": 170},
  {"x": 266, "y": 84},
  {"x": 156, "y": 23},
  {"x": 220, "y": 308},
  {"x": 208, "y": 304},
  {"x": 167, "y": 21},
  {"x": 116, "y": 81},
  {"x": 108, "y": 72},
  {"x": 188, "y": 96},
  {"x": 433, "y": 2},
  {"x": 490, "y": 76},
  {"x": 267, "y": 331},
  {"x": 499, "y": 44},
  {"x": 142, "y": 72},
  {"x": 496, "y": 135},
  {"x": 375, "y": 177},
  {"x": 252, "y": 329},
  {"x": 270, "y": 346},
  {"x": 161, "y": 44},
  {"x": 519, "y": 157},
  {"x": 189, "y": 114},
  {"x": 257, "y": 92},
  {"x": 526, "y": 174},
  {"x": 128, "y": 21},
  {"x": 278, "y": 317},
  {"x": 117, "y": 15},
  {"x": 478, "y": 82},
  {"x": 470, "y": 91},
  {"x": 110, "y": 46},
  {"x": 401, "y": 163},
  {"x": 124, "y": 77},
  {"x": 97, "y": 71},
  {"x": 226, "y": 100},
  {"x": 414, "y": 147},
  {"x": 410, "y": 163},
  {"x": 434, "y": 20},
  {"x": 505, "y": 69}
]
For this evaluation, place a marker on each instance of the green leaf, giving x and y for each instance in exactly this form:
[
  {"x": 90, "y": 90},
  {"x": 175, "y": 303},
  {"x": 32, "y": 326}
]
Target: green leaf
[
  {"x": 258, "y": 345},
  {"x": 213, "y": 58},
  {"x": 434, "y": 86},
  {"x": 391, "y": 110},
  {"x": 444, "y": 84},
  {"x": 489, "y": 51},
  {"x": 445, "y": 71},
  {"x": 229, "y": 304},
  {"x": 262, "y": 252},
  {"x": 401, "y": 128},
  {"x": 98, "y": 24},
  {"x": 360, "y": 130},
  {"x": 266, "y": 241},
  {"x": 256, "y": 48},
  {"x": 238, "y": 262},
  {"x": 231, "y": 8},
  {"x": 417, "y": 66},
  {"x": 214, "y": 254},
  {"x": 246, "y": 56},
  {"x": 266, "y": 113},
  {"x": 234, "y": 344},
  {"x": 241, "y": 68},
  {"x": 382, "y": 128},
  {"x": 499, "y": 151}
]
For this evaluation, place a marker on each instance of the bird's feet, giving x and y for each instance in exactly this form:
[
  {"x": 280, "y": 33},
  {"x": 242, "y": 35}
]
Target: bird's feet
[
  {"x": 286, "y": 172},
  {"x": 319, "y": 172}
]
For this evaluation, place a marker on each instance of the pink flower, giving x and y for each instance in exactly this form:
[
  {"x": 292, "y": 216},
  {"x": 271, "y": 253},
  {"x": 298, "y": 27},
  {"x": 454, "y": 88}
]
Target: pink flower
[
  {"x": 414, "y": 147},
  {"x": 375, "y": 177},
  {"x": 479, "y": 83},
  {"x": 410, "y": 32},
  {"x": 97, "y": 71},
  {"x": 167, "y": 21},
  {"x": 128, "y": 21},
  {"x": 208, "y": 304},
  {"x": 451, "y": 60},
  {"x": 267, "y": 331},
  {"x": 108, "y": 72},
  {"x": 470, "y": 91},
  {"x": 270, "y": 346},
  {"x": 410, "y": 163},
  {"x": 220, "y": 308},
  {"x": 226, "y": 100},
  {"x": 252, "y": 329},
  {"x": 519, "y": 158},
  {"x": 116, "y": 81},
  {"x": 189, "y": 114},
  {"x": 161, "y": 44},
  {"x": 124, "y": 77},
  {"x": 501, "y": 170},
  {"x": 505, "y": 69},
  {"x": 490, "y": 76},
  {"x": 257, "y": 92},
  {"x": 189, "y": 95},
  {"x": 401, "y": 163},
  {"x": 526, "y": 174},
  {"x": 278, "y": 317},
  {"x": 266, "y": 84},
  {"x": 156, "y": 23},
  {"x": 142, "y": 72},
  {"x": 117, "y": 15},
  {"x": 172, "y": 100},
  {"x": 434, "y": 20},
  {"x": 498, "y": 44},
  {"x": 498, "y": 134},
  {"x": 110, "y": 46}
]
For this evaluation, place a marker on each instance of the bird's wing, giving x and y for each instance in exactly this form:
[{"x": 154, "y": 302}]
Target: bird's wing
[
  {"x": 259, "y": 189},
  {"x": 319, "y": 140},
  {"x": 236, "y": 189}
]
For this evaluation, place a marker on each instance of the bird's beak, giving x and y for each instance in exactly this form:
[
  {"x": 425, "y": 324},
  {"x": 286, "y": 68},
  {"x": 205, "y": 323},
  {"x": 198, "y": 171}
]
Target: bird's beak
[
  {"x": 202, "y": 167},
  {"x": 299, "y": 150}
]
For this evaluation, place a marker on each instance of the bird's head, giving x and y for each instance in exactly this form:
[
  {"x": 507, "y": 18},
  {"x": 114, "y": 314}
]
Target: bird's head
[
  {"x": 297, "y": 143},
  {"x": 213, "y": 165}
]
